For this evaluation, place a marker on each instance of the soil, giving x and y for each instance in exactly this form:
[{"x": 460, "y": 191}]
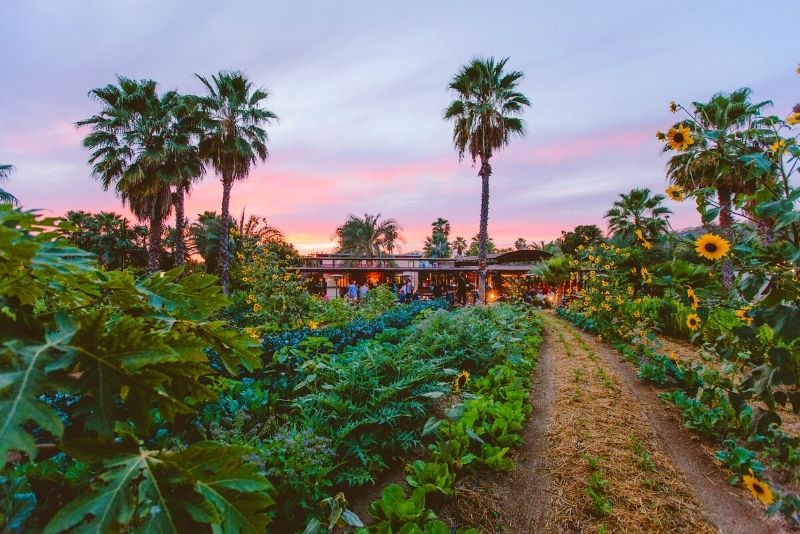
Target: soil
[{"x": 731, "y": 509}]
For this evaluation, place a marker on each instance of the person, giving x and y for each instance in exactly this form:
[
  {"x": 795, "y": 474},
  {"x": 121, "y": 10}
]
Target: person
[
  {"x": 461, "y": 292},
  {"x": 352, "y": 290},
  {"x": 408, "y": 290},
  {"x": 363, "y": 291}
]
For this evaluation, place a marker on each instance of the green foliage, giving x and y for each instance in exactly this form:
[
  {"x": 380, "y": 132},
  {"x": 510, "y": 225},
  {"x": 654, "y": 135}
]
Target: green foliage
[
  {"x": 739, "y": 460},
  {"x": 126, "y": 354},
  {"x": 168, "y": 491}
]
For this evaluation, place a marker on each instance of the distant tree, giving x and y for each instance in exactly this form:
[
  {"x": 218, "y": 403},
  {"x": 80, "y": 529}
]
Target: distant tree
[
  {"x": 117, "y": 243},
  {"x": 581, "y": 235},
  {"x": 204, "y": 239},
  {"x": 369, "y": 236},
  {"x": 638, "y": 210},
  {"x": 5, "y": 196},
  {"x": 520, "y": 244},
  {"x": 233, "y": 141},
  {"x": 437, "y": 245},
  {"x": 475, "y": 245},
  {"x": 485, "y": 115},
  {"x": 459, "y": 246}
]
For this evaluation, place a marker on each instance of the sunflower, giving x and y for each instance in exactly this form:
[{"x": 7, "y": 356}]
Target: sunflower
[
  {"x": 460, "y": 381},
  {"x": 794, "y": 118},
  {"x": 673, "y": 107},
  {"x": 675, "y": 192},
  {"x": 712, "y": 247},
  {"x": 693, "y": 321},
  {"x": 679, "y": 138},
  {"x": 760, "y": 490},
  {"x": 778, "y": 146},
  {"x": 694, "y": 302},
  {"x": 637, "y": 314},
  {"x": 741, "y": 313},
  {"x": 674, "y": 358}
]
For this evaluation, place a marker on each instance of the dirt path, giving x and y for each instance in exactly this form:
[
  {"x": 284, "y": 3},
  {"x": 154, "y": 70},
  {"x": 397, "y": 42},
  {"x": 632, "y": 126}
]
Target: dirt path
[
  {"x": 672, "y": 448},
  {"x": 609, "y": 470}
]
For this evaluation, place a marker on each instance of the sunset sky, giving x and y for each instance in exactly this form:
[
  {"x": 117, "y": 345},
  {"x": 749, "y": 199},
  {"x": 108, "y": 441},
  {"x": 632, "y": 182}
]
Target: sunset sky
[{"x": 360, "y": 87}]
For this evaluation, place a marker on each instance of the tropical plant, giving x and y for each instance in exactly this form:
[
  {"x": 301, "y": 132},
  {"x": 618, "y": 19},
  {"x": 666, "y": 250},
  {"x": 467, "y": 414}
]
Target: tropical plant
[
  {"x": 5, "y": 196},
  {"x": 119, "y": 355},
  {"x": 485, "y": 116},
  {"x": 521, "y": 244},
  {"x": 638, "y": 210},
  {"x": 713, "y": 156},
  {"x": 117, "y": 244},
  {"x": 233, "y": 140},
  {"x": 475, "y": 245},
  {"x": 459, "y": 245},
  {"x": 204, "y": 238},
  {"x": 138, "y": 149},
  {"x": 369, "y": 236},
  {"x": 437, "y": 244}
]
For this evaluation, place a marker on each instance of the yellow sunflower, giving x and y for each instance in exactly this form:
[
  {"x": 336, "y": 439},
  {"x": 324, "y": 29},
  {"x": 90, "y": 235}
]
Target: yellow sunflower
[
  {"x": 778, "y": 145},
  {"x": 693, "y": 321},
  {"x": 674, "y": 357},
  {"x": 460, "y": 381},
  {"x": 694, "y": 302},
  {"x": 637, "y": 314},
  {"x": 741, "y": 313},
  {"x": 793, "y": 119},
  {"x": 679, "y": 138},
  {"x": 675, "y": 192},
  {"x": 761, "y": 491},
  {"x": 711, "y": 246}
]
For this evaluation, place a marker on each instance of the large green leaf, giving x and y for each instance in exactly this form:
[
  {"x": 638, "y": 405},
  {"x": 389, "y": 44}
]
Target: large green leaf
[
  {"x": 21, "y": 385},
  {"x": 169, "y": 492}
]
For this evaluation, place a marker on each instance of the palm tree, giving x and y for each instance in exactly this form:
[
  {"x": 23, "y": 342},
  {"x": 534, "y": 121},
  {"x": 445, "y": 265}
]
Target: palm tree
[
  {"x": 459, "y": 245},
  {"x": 475, "y": 245},
  {"x": 369, "y": 236},
  {"x": 708, "y": 163},
  {"x": 5, "y": 196},
  {"x": 521, "y": 244},
  {"x": 485, "y": 116},
  {"x": 204, "y": 239},
  {"x": 638, "y": 210},
  {"x": 437, "y": 244},
  {"x": 188, "y": 117},
  {"x": 233, "y": 141},
  {"x": 137, "y": 149}
]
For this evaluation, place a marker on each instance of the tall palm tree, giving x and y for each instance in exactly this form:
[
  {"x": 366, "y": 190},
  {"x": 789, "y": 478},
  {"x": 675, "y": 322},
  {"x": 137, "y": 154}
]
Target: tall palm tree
[
  {"x": 233, "y": 141},
  {"x": 369, "y": 236},
  {"x": 5, "y": 196},
  {"x": 485, "y": 117},
  {"x": 638, "y": 210},
  {"x": 459, "y": 245},
  {"x": 188, "y": 120},
  {"x": 521, "y": 244},
  {"x": 137, "y": 149},
  {"x": 441, "y": 226},
  {"x": 708, "y": 163}
]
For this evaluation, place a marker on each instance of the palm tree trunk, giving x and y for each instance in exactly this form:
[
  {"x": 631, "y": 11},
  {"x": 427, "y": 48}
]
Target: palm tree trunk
[
  {"x": 725, "y": 222},
  {"x": 483, "y": 233},
  {"x": 224, "y": 259},
  {"x": 154, "y": 246},
  {"x": 180, "y": 227}
]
